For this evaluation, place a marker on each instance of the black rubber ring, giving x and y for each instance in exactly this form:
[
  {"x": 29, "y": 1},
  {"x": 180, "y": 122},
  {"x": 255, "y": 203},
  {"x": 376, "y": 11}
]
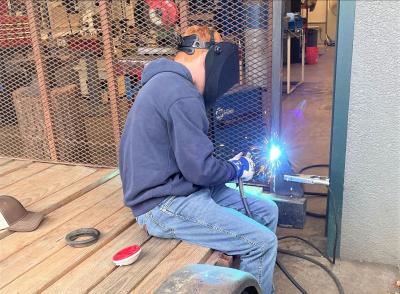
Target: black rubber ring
[{"x": 71, "y": 237}]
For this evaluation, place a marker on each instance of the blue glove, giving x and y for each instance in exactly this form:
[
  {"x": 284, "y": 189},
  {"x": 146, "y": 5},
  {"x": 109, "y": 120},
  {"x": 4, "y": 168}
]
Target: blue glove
[{"x": 244, "y": 167}]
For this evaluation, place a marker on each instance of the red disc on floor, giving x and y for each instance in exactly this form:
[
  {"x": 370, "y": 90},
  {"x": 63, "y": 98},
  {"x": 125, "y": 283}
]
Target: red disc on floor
[{"x": 127, "y": 255}]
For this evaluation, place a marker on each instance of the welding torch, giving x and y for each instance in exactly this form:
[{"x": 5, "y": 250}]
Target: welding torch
[
  {"x": 243, "y": 197},
  {"x": 242, "y": 194}
]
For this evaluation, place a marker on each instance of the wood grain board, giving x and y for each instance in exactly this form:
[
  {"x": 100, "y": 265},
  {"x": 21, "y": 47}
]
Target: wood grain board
[
  {"x": 72, "y": 197},
  {"x": 182, "y": 255},
  {"x": 13, "y": 165},
  {"x": 23, "y": 173},
  {"x": 4, "y": 160},
  {"x": 46, "y": 182}
]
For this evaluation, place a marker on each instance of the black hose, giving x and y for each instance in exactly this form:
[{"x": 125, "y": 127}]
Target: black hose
[
  {"x": 316, "y": 215},
  {"x": 336, "y": 225},
  {"x": 308, "y": 243},
  {"x": 326, "y": 269},
  {"x": 316, "y": 194},
  {"x": 244, "y": 199},
  {"x": 312, "y": 166},
  {"x": 246, "y": 207},
  {"x": 295, "y": 254},
  {"x": 290, "y": 277}
]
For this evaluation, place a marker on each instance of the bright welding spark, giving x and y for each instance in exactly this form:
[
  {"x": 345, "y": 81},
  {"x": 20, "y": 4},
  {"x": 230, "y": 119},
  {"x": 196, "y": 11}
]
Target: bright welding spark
[
  {"x": 274, "y": 153},
  {"x": 267, "y": 158}
]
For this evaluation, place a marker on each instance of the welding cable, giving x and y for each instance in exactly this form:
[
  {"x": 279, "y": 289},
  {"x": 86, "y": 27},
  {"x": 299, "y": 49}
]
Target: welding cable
[
  {"x": 290, "y": 277},
  {"x": 316, "y": 194},
  {"x": 316, "y": 215},
  {"x": 316, "y": 262},
  {"x": 313, "y": 166},
  {"x": 295, "y": 254},
  {"x": 336, "y": 225},
  {"x": 246, "y": 207},
  {"x": 308, "y": 243}
]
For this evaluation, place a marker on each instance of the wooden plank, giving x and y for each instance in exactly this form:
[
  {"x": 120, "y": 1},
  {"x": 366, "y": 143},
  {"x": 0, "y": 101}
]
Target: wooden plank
[
  {"x": 51, "y": 269},
  {"x": 30, "y": 256},
  {"x": 69, "y": 193},
  {"x": 182, "y": 255},
  {"x": 75, "y": 190},
  {"x": 5, "y": 160},
  {"x": 93, "y": 270},
  {"x": 45, "y": 183},
  {"x": 13, "y": 166},
  {"x": 123, "y": 279},
  {"x": 17, "y": 241},
  {"x": 214, "y": 257},
  {"x": 220, "y": 259},
  {"x": 23, "y": 173}
]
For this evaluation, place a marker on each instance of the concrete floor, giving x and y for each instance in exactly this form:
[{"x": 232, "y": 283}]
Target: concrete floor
[{"x": 306, "y": 122}]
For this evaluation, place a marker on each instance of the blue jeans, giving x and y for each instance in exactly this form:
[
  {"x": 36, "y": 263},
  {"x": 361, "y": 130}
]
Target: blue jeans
[{"x": 214, "y": 218}]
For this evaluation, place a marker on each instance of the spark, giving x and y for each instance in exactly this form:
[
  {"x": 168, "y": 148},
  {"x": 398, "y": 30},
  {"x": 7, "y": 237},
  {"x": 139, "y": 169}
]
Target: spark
[
  {"x": 268, "y": 158},
  {"x": 274, "y": 153}
]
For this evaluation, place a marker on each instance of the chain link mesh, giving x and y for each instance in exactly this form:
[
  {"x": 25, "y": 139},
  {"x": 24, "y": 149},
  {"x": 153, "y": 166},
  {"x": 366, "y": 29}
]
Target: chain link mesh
[{"x": 70, "y": 71}]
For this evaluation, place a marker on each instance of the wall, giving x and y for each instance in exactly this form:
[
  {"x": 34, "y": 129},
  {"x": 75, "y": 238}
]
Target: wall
[
  {"x": 371, "y": 206},
  {"x": 324, "y": 16}
]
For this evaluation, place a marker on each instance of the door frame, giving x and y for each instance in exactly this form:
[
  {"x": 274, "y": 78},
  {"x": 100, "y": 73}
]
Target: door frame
[{"x": 340, "y": 109}]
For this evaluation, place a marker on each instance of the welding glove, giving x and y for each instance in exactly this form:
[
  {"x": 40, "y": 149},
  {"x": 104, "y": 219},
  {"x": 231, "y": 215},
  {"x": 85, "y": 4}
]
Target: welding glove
[{"x": 244, "y": 167}]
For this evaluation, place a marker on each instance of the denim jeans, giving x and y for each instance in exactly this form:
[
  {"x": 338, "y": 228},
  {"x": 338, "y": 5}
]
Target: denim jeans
[{"x": 214, "y": 218}]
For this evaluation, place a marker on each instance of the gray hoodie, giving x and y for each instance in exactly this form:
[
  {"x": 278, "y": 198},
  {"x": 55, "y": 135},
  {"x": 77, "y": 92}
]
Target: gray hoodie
[{"x": 164, "y": 148}]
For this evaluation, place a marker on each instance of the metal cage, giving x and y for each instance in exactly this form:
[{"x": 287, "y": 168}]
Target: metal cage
[{"x": 70, "y": 71}]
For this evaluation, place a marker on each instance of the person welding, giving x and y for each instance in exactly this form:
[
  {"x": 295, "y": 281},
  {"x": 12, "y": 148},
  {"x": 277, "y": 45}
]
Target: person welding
[{"x": 171, "y": 180}]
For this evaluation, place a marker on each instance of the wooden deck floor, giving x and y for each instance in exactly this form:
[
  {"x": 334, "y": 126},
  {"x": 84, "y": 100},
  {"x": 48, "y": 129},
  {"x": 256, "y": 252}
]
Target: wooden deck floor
[{"x": 74, "y": 197}]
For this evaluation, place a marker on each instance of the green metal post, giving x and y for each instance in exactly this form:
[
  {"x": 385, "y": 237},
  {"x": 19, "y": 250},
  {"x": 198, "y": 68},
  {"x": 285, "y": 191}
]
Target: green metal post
[{"x": 344, "y": 54}]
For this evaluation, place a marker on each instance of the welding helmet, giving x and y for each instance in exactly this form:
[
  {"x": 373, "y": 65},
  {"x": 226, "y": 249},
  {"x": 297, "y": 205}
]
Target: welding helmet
[{"x": 221, "y": 65}]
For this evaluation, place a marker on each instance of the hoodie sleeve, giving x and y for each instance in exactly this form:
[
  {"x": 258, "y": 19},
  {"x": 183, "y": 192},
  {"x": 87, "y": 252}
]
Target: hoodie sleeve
[{"x": 193, "y": 150}]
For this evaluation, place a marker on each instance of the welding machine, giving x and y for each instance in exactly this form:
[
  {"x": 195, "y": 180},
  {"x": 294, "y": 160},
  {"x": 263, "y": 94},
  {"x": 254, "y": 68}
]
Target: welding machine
[{"x": 237, "y": 121}]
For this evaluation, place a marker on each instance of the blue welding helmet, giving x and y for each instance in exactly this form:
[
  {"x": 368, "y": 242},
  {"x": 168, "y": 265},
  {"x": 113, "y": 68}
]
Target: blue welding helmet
[{"x": 221, "y": 65}]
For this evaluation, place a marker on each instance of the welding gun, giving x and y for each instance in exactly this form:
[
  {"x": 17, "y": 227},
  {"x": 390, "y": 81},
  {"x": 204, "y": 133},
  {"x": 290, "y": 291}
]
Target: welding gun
[
  {"x": 241, "y": 187},
  {"x": 244, "y": 198}
]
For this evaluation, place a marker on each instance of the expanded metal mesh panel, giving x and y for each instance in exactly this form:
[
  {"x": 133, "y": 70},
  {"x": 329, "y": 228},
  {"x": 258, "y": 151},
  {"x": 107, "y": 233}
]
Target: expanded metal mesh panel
[{"x": 70, "y": 71}]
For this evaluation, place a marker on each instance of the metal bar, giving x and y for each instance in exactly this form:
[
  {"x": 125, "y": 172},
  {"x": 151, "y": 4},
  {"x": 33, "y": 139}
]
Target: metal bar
[
  {"x": 41, "y": 74},
  {"x": 341, "y": 96},
  {"x": 289, "y": 88},
  {"x": 183, "y": 12},
  {"x": 303, "y": 51},
  {"x": 288, "y": 63},
  {"x": 109, "y": 64},
  {"x": 276, "y": 66}
]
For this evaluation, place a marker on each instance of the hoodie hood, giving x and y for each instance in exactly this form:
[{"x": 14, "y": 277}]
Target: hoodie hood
[{"x": 164, "y": 65}]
